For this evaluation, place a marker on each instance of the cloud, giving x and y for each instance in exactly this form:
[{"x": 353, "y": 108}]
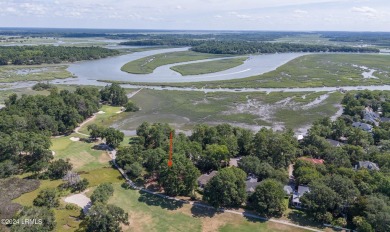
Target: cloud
[
  {"x": 247, "y": 16},
  {"x": 300, "y": 12},
  {"x": 365, "y": 10}
]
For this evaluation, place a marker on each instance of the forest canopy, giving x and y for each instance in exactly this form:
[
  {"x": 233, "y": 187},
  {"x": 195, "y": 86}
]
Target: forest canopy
[{"x": 28, "y": 55}]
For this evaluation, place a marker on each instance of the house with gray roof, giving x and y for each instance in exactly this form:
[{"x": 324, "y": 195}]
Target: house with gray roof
[
  {"x": 205, "y": 178},
  {"x": 370, "y": 116},
  {"x": 367, "y": 165},
  {"x": 363, "y": 126},
  {"x": 251, "y": 184},
  {"x": 298, "y": 194},
  {"x": 335, "y": 143}
]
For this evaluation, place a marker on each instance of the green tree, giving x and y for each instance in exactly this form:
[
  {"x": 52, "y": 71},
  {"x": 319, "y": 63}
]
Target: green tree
[
  {"x": 226, "y": 189},
  {"x": 28, "y": 213},
  {"x": 320, "y": 200},
  {"x": 95, "y": 131},
  {"x": 131, "y": 107},
  {"x": 102, "y": 193},
  {"x": 268, "y": 198},
  {"x": 47, "y": 198},
  {"x": 215, "y": 156},
  {"x": 153, "y": 158},
  {"x": 105, "y": 218},
  {"x": 114, "y": 95},
  {"x": 180, "y": 178},
  {"x": 113, "y": 137},
  {"x": 134, "y": 169},
  {"x": 58, "y": 168}
]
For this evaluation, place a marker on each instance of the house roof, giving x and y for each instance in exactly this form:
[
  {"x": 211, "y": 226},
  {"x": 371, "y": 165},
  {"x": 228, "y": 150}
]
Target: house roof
[
  {"x": 335, "y": 143},
  {"x": 205, "y": 178},
  {"x": 250, "y": 184},
  {"x": 301, "y": 190},
  {"x": 288, "y": 189},
  {"x": 370, "y": 115},
  {"x": 385, "y": 119},
  {"x": 311, "y": 160},
  {"x": 369, "y": 165},
  {"x": 363, "y": 126},
  {"x": 234, "y": 161}
]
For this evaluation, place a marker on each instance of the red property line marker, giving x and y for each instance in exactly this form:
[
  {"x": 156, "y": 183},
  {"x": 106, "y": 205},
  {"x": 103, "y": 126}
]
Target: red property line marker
[{"x": 170, "y": 150}]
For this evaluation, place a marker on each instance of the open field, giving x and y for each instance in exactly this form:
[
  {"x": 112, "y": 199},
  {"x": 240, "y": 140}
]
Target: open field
[
  {"x": 314, "y": 70},
  {"x": 151, "y": 213},
  {"x": 14, "y": 73},
  {"x": 251, "y": 110},
  {"x": 82, "y": 155},
  {"x": 148, "y": 64},
  {"x": 208, "y": 67}
]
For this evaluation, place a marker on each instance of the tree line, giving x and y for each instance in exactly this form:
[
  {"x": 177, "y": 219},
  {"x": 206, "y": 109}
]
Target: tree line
[
  {"x": 29, "y": 55},
  {"x": 27, "y": 122},
  {"x": 244, "y": 47}
]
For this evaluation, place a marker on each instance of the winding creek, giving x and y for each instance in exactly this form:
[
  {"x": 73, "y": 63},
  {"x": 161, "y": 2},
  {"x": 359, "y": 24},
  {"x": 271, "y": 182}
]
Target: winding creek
[{"x": 93, "y": 72}]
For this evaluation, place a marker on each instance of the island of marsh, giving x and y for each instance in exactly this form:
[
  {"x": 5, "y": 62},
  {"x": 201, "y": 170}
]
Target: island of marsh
[
  {"x": 208, "y": 66},
  {"x": 15, "y": 73},
  {"x": 148, "y": 64}
]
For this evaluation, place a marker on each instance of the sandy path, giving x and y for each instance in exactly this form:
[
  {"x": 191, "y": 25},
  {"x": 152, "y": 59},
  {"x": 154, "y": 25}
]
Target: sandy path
[
  {"x": 130, "y": 95},
  {"x": 83, "y": 123}
]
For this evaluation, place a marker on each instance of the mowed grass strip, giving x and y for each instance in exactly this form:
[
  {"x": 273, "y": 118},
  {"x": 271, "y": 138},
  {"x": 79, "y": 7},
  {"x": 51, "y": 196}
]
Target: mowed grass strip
[
  {"x": 208, "y": 66},
  {"x": 148, "y": 64}
]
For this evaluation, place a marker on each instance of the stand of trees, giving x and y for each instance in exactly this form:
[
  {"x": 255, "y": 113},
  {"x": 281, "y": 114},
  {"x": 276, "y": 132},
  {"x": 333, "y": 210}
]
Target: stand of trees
[
  {"x": 28, "y": 55},
  {"x": 243, "y": 47}
]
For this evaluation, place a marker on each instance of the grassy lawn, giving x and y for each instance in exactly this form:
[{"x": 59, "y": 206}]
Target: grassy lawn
[
  {"x": 185, "y": 109},
  {"x": 314, "y": 70},
  {"x": 150, "y": 213},
  {"x": 14, "y": 73},
  {"x": 81, "y": 154},
  {"x": 208, "y": 67},
  {"x": 148, "y": 64},
  {"x": 28, "y": 198},
  {"x": 110, "y": 115}
]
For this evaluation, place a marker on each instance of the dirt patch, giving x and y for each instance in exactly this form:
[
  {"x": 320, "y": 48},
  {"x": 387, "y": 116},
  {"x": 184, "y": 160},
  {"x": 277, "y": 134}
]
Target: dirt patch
[
  {"x": 104, "y": 158},
  {"x": 138, "y": 222},
  {"x": 211, "y": 224},
  {"x": 281, "y": 227},
  {"x": 53, "y": 153},
  {"x": 101, "y": 112}
]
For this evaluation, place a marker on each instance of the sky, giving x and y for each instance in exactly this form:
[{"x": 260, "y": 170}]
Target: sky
[{"x": 290, "y": 15}]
